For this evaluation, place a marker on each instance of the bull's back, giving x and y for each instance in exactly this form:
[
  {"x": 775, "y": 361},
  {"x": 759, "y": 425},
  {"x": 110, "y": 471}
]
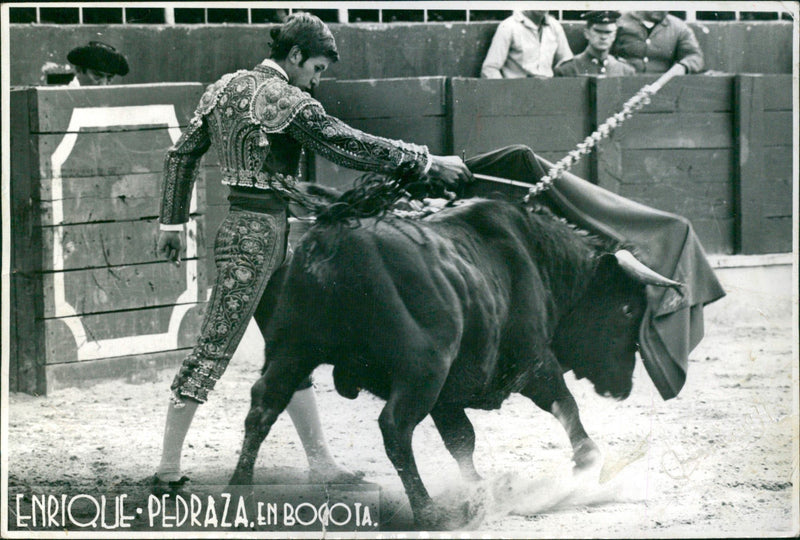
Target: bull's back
[
  {"x": 393, "y": 290},
  {"x": 362, "y": 290}
]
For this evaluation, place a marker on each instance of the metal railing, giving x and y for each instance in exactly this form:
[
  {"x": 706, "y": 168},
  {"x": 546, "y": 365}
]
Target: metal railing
[{"x": 95, "y": 14}]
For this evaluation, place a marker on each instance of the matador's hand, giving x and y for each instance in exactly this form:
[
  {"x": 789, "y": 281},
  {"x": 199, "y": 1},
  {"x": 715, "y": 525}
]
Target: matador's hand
[
  {"x": 170, "y": 245},
  {"x": 450, "y": 170}
]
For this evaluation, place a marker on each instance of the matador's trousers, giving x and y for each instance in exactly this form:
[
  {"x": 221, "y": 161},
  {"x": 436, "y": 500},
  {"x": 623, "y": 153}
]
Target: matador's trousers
[{"x": 249, "y": 246}]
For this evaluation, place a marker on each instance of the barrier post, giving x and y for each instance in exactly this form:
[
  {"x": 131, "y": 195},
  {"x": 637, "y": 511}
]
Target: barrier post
[{"x": 27, "y": 362}]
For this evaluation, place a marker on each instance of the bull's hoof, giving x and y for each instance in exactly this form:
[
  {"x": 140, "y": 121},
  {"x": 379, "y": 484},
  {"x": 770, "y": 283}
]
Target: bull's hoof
[
  {"x": 453, "y": 515},
  {"x": 431, "y": 518},
  {"x": 586, "y": 455}
]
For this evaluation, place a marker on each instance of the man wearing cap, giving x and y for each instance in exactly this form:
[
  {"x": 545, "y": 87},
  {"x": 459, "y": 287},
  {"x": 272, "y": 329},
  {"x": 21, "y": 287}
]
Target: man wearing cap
[
  {"x": 96, "y": 64},
  {"x": 656, "y": 42},
  {"x": 601, "y": 28},
  {"x": 527, "y": 44}
]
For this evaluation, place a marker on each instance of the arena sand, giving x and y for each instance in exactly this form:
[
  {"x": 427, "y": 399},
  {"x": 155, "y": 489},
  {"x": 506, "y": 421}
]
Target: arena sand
[{"x": 719, "y": 460}]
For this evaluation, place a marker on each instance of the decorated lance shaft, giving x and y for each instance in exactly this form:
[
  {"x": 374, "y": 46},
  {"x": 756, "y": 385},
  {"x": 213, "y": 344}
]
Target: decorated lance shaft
[{"x": 639, "y": 100}]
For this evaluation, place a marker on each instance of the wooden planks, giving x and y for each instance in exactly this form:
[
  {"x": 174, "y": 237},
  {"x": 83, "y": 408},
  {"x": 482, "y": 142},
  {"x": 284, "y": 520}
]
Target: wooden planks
[
  {"x": 690, "y": 199},
  {"x": 676, "y": 130},
  {"x": 519, "y": 97},
  {"x": 383, "y": 98},
  {"x": 57, "y": 104},
  {"x": 764, "y": 153},
  {"x": 777, "y": 92},
  {"x": 780, "y": 128},
  {"x": 61, "y": 346},
  {"x": 696, "y": 93},
  {"x": 681, "y": 153},
  {"x": 106, "y": 198},
  {"x": 92, "y": 153},
  {"x": 87, "y": 187},
  {"x": 412, "y": 109},
  {"x": 204, "y": 52},
  {"x": 676, "y": 165},
  {"x": 676, "y": 154},
  {"x": 543, "y": 133},
  {"x": 132, "y": 368},
  {"x": 97, "y": 290},
  {"x": 107, "y": 244},
  {"x": 548, "y": 116}
]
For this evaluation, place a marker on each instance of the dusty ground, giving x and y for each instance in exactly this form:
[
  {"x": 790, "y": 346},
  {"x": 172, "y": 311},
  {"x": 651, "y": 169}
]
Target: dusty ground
[{"x": 717, "y": 461}]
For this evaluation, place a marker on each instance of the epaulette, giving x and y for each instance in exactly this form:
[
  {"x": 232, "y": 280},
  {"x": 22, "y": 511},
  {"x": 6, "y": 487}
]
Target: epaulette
[
  {"x": 209, "y": 99},
  {"x": 276, "y": 102}
]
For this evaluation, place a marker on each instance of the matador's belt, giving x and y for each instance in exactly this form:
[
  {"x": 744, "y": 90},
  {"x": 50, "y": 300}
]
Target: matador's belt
[{"x": 257, "y": 179}]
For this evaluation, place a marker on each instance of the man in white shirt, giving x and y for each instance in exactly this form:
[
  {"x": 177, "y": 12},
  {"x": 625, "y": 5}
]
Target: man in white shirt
[{"x": 527, "y": 44}]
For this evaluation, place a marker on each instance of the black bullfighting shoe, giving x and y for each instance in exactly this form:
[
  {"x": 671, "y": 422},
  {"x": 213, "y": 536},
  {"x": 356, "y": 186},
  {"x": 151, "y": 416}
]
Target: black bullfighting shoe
[{"x": 161, "y": 487}]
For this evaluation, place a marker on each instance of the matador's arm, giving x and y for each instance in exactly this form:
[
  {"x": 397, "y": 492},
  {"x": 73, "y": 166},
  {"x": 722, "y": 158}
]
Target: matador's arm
[
  {"x": 349, "y": 147},
  {"x": 180, "y": 171}
]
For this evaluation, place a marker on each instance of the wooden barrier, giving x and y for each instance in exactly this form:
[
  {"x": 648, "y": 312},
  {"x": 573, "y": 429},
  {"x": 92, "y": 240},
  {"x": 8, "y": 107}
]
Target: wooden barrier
[
  {"x": 763, "y": 161},
  {"x": 90, "y": 296},
  {"x": 699, "y": 149},
  {"x": 549, "y": 115},
  {"x": 368, "y": 51},
  {"x": 410, "y": 109},
  {"x": 676, "y": 154}
]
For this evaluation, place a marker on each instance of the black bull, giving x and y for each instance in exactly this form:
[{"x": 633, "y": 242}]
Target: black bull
[{"x": 457, "y": 310}]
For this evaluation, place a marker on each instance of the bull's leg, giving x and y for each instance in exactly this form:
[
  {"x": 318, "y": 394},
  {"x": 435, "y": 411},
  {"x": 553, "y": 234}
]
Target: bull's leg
[
  {"x": 409, "y": 402},
  {"x": 458, "y": 436},
  {"x": 585, "y": 452},
  {"x": 269, "y": 396},
  {"x": 549, "y": 391}
]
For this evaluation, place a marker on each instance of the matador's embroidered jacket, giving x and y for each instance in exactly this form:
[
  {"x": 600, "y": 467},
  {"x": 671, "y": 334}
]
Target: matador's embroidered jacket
[{"x": 259, "y": 124}]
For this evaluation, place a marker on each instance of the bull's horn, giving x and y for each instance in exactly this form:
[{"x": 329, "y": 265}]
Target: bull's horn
[{"x": 638, "y": 271}]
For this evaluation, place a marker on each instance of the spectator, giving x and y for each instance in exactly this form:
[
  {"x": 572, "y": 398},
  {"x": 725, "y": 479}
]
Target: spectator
[
  {"x": 600, "y": 31},
  {"x": 654, "y": 42},
  {"x": 527, "y": 44},
  {"x": 96, "y": 64}
]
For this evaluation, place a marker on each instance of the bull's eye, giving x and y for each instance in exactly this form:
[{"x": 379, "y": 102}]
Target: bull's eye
[{"x": 627, "y": 311}]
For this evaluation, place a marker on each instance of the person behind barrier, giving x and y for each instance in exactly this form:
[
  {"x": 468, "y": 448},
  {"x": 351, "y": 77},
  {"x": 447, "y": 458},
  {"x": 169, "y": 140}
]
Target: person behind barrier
[
  {"x": 655, "y": 41},
  {"x": 600, "y": 31},
  {"x": 96, "y": 64},
  {"x": 259, "y": 120},
  {"x": 527, "y": 44}
]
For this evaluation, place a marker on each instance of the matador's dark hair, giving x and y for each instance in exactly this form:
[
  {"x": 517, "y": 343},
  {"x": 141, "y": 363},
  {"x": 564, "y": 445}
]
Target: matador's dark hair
[{"x": 309, "y": 33}]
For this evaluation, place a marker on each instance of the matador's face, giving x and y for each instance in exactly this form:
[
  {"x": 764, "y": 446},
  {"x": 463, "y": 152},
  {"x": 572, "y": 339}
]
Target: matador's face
[{"x": 306, "y": 74}]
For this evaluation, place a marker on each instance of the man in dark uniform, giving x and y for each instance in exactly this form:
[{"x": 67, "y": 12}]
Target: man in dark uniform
[{"x": 600, "y": 31}]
